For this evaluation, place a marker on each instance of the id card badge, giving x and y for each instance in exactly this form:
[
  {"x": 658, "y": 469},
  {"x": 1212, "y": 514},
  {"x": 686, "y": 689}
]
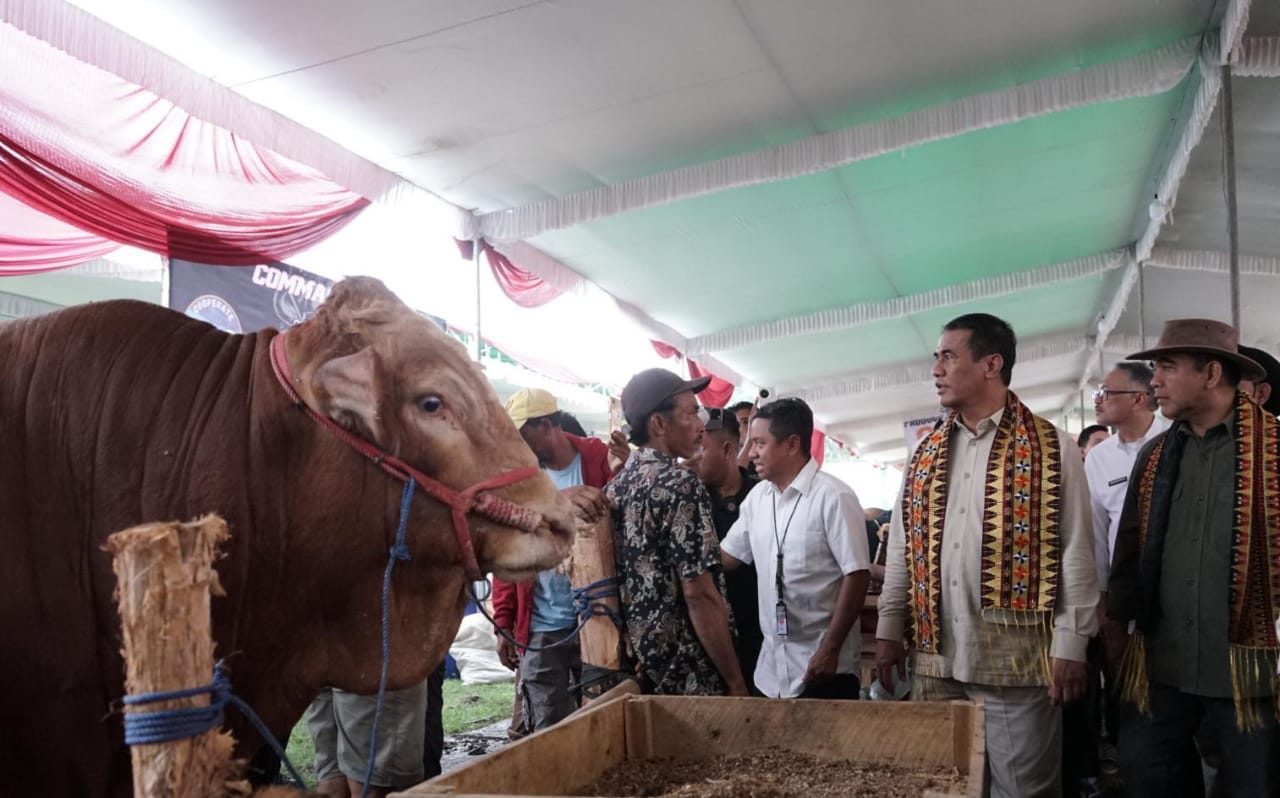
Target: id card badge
[{"x": 780, "y": 619}]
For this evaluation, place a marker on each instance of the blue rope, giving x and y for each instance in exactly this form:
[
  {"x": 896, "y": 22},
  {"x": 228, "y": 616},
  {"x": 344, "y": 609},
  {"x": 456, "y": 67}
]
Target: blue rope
[
  {"x": 586, "y": 601},
  {"x": 399, "y": 551},
  {"x": 166, "y": 725}
]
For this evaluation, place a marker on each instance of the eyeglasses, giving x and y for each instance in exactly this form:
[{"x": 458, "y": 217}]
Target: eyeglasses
[{"x": 1102, "y": 394}]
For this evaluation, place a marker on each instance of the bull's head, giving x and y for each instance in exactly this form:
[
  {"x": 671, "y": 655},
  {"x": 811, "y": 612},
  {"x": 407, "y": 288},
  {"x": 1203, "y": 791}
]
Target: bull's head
[{"x": 382, "y": 371}]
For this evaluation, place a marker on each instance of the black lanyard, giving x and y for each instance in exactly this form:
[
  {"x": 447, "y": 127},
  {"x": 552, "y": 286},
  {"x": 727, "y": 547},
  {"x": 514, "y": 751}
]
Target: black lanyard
[{"x": 777, "y": 575}]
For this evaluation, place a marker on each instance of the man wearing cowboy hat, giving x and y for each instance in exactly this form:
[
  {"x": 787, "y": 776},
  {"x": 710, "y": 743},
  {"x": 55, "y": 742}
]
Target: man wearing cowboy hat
[{"x": 1195, "y": 577}]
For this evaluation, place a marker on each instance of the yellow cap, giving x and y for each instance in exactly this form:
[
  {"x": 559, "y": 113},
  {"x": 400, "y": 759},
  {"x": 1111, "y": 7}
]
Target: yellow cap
[{"x": 528, "y": 403}]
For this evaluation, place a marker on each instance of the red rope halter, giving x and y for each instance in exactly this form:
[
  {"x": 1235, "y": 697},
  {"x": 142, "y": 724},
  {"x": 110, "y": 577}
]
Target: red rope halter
[{"x": 460, "y": 503}]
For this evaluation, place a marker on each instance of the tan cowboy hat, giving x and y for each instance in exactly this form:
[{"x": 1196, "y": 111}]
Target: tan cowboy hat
[{"x": 1203, "y": 336}]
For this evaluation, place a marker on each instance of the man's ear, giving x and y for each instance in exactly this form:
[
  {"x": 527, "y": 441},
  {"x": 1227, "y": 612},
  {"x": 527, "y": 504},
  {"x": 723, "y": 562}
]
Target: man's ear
[
  {"x": 347, "y": 390},
  {"x": 995, "y": 364},
  {"x": 1263, "y": 390}
]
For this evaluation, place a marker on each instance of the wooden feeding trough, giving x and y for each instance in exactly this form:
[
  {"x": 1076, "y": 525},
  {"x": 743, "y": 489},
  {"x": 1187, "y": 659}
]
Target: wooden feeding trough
[{"x": 623, "y": 726}]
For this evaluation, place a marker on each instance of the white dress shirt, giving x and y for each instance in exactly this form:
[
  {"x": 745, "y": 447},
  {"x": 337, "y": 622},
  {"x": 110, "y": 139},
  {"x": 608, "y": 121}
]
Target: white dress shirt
[
  {"x": 1108, "y": 466},
  {"x": 994, "y": 647},
  {"x": 824, "y": 541}
]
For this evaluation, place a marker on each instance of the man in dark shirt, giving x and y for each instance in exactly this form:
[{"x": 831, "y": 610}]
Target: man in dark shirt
[
  {"x": 728, "y": 483},
  {"x": 665, "y": 546},
  {"x": 1193, "y": 570}
]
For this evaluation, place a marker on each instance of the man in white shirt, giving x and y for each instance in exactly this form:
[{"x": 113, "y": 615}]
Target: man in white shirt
[
  {"x": 1125, "y": 403},
  {"x": 803, "y": 530}
]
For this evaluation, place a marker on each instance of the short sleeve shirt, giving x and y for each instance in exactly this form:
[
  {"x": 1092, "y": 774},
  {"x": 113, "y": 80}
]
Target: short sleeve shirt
[{"x": 663, "y": 534}]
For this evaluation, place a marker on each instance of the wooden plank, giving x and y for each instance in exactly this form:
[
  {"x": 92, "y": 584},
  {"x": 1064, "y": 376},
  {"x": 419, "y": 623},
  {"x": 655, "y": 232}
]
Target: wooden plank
[
  {"x": 961, "y": 734},
  {"x": 579, "y": 750},
  {"x": 910, "y": 734},
  {"x": 554, "y": 761},
  {"x": 639, "y": 719},
  {"x": 978, "y": 752},
  {"x": 592, "y": 561}
]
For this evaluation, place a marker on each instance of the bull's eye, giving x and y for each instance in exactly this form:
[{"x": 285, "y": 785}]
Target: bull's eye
[{"x": 431, "y": 404}]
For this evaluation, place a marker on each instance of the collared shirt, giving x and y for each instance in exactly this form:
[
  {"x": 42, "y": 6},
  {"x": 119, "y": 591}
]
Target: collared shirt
[
  {"x": 994, "y": 650},
  {"x": 1188, "y": 650},
  {"x": 740, "y": 584},
  {"x": 819, "y": 523},
  {"x": 663, "y": 535},
  {"x": 1108, "y": 467}
]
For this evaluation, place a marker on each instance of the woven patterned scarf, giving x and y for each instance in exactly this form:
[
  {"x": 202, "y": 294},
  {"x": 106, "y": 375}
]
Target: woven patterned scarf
[
  {"x": 1254, "y": 599},
  {"x": 1022, "y": 500}
]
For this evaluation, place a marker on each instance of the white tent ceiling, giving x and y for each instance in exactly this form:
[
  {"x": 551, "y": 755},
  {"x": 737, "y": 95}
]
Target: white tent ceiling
[{"x": 798, "y": 193}]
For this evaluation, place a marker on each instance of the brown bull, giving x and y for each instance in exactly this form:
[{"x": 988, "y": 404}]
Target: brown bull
[{"x": 119, "y": 413}]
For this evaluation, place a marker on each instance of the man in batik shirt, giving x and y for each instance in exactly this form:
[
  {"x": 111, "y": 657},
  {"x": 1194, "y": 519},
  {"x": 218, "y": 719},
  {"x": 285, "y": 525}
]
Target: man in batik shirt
[{"x": 665, "y": 546}]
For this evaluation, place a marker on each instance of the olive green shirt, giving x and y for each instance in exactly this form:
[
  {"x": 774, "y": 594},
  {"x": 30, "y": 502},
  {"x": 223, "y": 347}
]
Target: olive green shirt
[{"x": 1188, "y": 649}]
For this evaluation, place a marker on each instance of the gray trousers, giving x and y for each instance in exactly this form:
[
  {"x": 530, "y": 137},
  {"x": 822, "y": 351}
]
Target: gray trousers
[
  {"x": 341, "y": 724},
  {"x": 1023, "y": 730},
  {"x": 547, "y": 679}
]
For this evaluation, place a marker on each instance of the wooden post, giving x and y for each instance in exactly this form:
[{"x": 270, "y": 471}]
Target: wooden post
[
  {"x": 164, "y": 574},
  {"x": 592, "y": 560}
]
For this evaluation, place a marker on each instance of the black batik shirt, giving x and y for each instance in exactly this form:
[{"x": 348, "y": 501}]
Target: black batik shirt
[{"x": 663, "y": 535}]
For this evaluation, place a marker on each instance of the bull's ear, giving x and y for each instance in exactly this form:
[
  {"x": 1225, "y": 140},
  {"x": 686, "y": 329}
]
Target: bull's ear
[{"x": 347, "y": 390}]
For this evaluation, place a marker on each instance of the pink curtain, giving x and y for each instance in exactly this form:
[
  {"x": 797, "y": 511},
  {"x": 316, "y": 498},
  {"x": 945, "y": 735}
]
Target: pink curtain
[
  {"x": 32, "y": 242},
  {"x": 524, "y": 288},
  {"x": 818, "y": 447},
  {"x": 718, "y": 393},
  {"x": 120, "y": 163},
  {"x": 665, "y": 350}
]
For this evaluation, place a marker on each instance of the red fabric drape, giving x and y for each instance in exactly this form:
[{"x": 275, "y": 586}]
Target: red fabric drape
[
  {"x": 32, "y": 242},
  {"x": 818, "y": 447},
  {"x": 121, "y": 163},
  {"x": 665, "y": 350},
  {"x": 524, "y": 288},
  {"x": 716, "y": 394}
]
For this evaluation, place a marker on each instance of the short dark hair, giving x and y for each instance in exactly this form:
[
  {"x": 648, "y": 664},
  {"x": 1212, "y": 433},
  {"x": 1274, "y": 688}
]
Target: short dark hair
[
  {"x": 1231, "y": 371},
  {"x": 988, "y": 335},
  {"x": 1088, "y": 432},
  {"x": 570, "y": 424},
  {"x": 640, "y": 432},
  {"x": 734, "y": 408},
  {"x": 555, "y": 419},
  {"x": 787, "y": 417},
  {"x": 1140, "y": 374}
]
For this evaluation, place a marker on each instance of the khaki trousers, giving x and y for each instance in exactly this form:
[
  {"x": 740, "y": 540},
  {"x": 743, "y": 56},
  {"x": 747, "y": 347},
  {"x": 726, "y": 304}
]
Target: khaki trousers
[{"x": 1023, "y": 730}]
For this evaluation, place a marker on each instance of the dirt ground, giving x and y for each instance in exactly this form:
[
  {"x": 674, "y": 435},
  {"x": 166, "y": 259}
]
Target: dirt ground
[{"x": 768, "y": 774}]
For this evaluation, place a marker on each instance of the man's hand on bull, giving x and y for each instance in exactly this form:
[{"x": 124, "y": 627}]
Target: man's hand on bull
[
  {"x": 508, "y": 653},
  {"x": 619, "y": 450},
  {"x": 590, "y": 502}
]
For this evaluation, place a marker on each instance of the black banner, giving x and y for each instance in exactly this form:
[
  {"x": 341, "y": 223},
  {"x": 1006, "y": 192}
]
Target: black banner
[{"x": 242, "y": 299}]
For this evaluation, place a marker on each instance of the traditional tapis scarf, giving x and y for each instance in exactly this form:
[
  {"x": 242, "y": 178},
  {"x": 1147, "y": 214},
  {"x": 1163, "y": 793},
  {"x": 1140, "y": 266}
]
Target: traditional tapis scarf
[
  {"x": 1254, "y": 582},
  {"x": 1022, "y": 507}
]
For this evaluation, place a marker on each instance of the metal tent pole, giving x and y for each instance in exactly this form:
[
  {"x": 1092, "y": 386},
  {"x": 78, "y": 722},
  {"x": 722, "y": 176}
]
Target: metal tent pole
[
  {"x": 476, "y": 247},
  {"x": 1142, "y": 304},
  {"x": 1229, "y": 166}
]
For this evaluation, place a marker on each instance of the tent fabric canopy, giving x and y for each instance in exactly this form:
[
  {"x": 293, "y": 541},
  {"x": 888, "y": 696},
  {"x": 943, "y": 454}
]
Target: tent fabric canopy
[
  {"x": 796, "y": 196},
  {"x": 124, "y": 165},
  {"x": 32, "y": 242}
]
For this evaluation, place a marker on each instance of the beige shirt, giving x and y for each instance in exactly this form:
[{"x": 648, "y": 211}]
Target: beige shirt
[{"x": 997, "y": 649}]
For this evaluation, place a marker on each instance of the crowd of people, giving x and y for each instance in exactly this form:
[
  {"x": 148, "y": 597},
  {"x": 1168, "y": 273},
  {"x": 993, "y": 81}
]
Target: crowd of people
[{"x": 1110, "y": 599}]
